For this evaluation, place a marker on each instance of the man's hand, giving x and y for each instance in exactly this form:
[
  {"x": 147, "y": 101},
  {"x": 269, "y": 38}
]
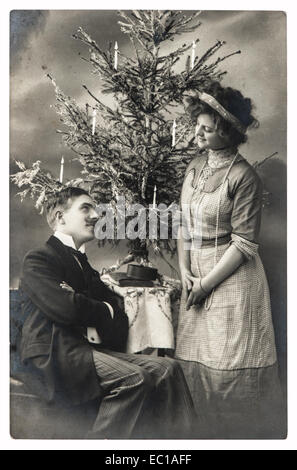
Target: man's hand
[
  {"x": 118, "y": 301},
  {"x": 65, "y": 286}
]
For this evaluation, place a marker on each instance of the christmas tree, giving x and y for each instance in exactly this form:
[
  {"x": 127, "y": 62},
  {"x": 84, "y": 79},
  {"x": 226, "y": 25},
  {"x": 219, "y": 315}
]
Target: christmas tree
[{"x": 137, "y": 150}]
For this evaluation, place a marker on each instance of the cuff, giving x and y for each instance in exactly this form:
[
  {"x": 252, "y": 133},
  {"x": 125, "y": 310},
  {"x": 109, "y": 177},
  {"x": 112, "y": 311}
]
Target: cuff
[
  {"x": 249, "y": 249},
  {"x": 110, "y": 309},
  {"x": 93, "y": 336}
]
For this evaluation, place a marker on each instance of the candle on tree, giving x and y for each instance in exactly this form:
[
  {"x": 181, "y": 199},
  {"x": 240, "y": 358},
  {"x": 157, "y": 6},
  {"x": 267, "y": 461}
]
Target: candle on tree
[
  {"x": 155, "y": 197},
  {"x": 61, "y": 170},
  {"x": 193, "y": 53},
  {"x": 94, "y": 121},
  {"x": 173, "y": 133},
  {"x": 116, "y": 47}
]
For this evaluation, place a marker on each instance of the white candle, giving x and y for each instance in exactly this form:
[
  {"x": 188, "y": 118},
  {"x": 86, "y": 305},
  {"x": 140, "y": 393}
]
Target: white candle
[
  {"x": 154, "y": 198},
  {"x": 193, "y": 53},
  {"x": 94, "y": 121},
  {"x": 116, "y": 55},
  {"x": 61, "y": 170},
  {"x": 173, "y": 133}
]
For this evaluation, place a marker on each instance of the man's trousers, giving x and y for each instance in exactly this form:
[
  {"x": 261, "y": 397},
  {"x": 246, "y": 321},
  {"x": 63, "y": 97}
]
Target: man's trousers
[{"x": 145, "y": 397}]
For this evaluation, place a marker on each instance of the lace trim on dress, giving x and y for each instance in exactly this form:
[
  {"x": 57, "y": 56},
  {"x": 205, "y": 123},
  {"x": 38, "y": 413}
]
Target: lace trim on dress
[
  {"x": 216, "y": 159},
  {"x": 205, "y": 173},
  {"x": 220, "y": 158}
]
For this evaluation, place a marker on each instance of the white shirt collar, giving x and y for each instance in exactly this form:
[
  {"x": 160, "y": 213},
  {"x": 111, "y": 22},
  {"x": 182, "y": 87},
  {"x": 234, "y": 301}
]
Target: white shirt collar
[{"x": 68, "y": 241}]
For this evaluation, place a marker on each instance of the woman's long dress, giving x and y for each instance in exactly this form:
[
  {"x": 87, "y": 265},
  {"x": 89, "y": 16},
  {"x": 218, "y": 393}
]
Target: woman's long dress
[{"x": 226, "y": 344}]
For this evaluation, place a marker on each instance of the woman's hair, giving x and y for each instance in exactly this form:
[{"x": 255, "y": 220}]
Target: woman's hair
[{"x": 234, "y": 102}]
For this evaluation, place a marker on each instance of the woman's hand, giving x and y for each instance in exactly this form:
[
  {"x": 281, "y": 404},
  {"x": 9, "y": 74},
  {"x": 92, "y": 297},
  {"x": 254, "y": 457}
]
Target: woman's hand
[
  {"x": 186, "y": 282},
  {"x": 197, "y": 294}
]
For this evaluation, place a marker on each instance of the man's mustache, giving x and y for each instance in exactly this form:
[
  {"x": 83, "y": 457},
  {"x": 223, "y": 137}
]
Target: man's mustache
[{"x": 92, "y": 222}]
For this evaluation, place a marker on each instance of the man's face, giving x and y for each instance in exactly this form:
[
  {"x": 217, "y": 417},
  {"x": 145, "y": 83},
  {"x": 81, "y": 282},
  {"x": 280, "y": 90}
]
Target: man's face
[{"x": 79, "y": 219}]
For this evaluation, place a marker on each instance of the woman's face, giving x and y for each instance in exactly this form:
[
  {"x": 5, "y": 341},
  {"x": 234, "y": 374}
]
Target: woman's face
[{"x": 207, "y": 136}]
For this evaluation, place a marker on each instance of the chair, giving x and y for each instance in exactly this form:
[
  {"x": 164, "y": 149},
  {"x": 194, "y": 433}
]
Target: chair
[{"x": 31, "y": 417}]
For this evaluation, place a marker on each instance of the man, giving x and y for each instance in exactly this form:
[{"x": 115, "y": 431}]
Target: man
[{"x": 76, "y": 329}]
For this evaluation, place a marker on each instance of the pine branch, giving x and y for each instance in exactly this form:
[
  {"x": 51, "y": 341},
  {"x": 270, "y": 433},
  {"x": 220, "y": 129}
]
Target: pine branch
[
  {"x": 153, "y": 28},
  {"x": 38, "y": 184},
  {"x": 258, "y": 164}
]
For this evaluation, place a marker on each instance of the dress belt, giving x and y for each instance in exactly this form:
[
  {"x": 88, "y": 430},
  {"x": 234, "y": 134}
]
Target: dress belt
[{"x": 204, "y": 243}]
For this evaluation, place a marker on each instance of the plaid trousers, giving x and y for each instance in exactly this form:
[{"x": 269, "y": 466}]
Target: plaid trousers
[{"x": 145, "y": 397}]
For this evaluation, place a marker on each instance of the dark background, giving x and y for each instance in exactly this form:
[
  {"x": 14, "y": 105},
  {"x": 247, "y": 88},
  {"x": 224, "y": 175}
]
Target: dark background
[{"x": 41, "y": 43}]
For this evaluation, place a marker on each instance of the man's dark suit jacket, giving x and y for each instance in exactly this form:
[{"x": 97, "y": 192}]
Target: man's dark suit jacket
[{"x": 53, "y": 335}]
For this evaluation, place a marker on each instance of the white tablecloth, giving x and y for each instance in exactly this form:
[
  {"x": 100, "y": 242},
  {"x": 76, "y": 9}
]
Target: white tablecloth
[{"x": 150, "y": 316}]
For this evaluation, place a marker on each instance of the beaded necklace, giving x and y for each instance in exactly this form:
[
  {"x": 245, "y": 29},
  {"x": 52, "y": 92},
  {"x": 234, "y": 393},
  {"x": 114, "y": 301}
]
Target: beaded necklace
[{"x": 209, "y": 299}]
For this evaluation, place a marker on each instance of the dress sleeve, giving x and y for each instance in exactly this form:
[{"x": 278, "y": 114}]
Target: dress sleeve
[{"x": 246, "y": 213}]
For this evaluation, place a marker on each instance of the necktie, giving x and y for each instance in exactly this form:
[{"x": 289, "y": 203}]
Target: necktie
[
  {"x": 91, "y": 333},
  {"x": 81, "y": 256},
  {"x": 83, "y": 261}
]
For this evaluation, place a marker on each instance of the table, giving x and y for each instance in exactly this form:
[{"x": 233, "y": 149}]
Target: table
[{"x": 152, "y": 316}]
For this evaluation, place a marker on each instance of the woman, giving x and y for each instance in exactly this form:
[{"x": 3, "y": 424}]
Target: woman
[{"x": 225, "y": 337}]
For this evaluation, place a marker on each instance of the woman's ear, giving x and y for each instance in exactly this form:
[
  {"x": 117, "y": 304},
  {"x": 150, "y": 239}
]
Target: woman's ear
[
  {"x": 222, "y": 134},
  {"x": 225, "y": 136}
]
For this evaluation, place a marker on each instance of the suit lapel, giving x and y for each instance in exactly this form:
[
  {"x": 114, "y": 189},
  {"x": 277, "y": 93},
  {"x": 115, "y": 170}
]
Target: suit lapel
[{"x": 71, "y": 266}]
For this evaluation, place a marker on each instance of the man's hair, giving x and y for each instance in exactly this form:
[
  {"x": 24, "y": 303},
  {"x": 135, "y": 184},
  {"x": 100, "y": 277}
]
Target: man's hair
[{"x": 61, "y": 199}]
